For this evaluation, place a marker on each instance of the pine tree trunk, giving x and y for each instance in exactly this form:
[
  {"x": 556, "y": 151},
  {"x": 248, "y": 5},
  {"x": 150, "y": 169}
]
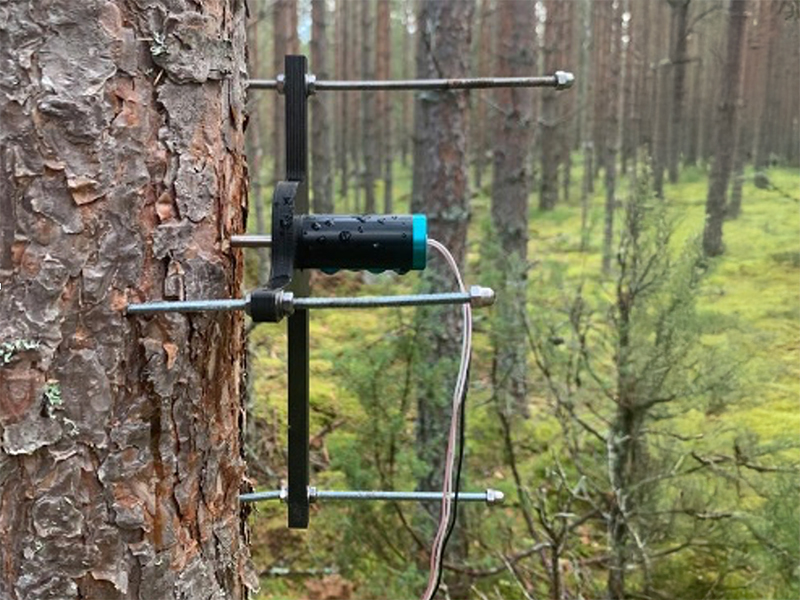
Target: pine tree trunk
[
  {"x": 368, "y": 117},
  {"x": 725, "y": 130},
  {"x": 343, "y": 59},
  {"x": 550, "y": 134},
  {"x": 769, "y": 103},
  {"x": 480, "y": 143},
  {"x": 321, "y": 168},
  {"x": 567, "y": 117},
  {"x": 383, "y": 56},
  {"x": 355, "y": 140},
  {"x": 678, "y": 59},
  {"x": 440, "y": 189},
  {"x": 284, "y": 41},
  {"x": 586, "y": 123},
  {"x": 255, "y": 152},
  {"x": 661, "y": 100},
  {"x": 405, "y": 68},
  {"x": 122, "y": 177},
  {"x": 611, "y": 122},
  {"x": 510, "y": 190}
]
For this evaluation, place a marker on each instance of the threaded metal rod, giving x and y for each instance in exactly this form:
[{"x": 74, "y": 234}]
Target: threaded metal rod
[
  {"x": 380, "y": 301},
  {"x": 559, "y": 80},
  {"x": 251, "y": 241},
  {"x": 187, "y": 306},
  {"x": 478, "y": 296},
  {"x": 489, "y": 496}
]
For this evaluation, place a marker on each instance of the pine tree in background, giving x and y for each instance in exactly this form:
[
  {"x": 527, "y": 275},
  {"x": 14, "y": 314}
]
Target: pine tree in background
[
  {"x": 321, "y": 147},
  {"x": 726, "y": 130},
  {"x": 440, "y": 189},
  {"x": 512, "y": 115}
]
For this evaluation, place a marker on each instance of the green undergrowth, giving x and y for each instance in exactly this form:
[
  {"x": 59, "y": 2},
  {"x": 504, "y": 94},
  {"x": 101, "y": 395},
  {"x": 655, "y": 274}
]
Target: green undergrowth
[{"x": 749, "y": 311}]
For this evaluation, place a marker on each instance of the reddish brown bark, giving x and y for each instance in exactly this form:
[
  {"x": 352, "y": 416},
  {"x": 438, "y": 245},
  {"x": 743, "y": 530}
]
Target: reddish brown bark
[{"x": 122, "y": 178}]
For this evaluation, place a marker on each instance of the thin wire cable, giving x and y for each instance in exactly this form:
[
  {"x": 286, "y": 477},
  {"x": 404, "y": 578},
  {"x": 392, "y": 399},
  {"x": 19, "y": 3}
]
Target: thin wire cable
[{"x": 447, "y": 513}]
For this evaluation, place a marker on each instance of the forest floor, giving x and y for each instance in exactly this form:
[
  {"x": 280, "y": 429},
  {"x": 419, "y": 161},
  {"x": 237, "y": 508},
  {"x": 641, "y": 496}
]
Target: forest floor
[{"x": 750, "y": 306}]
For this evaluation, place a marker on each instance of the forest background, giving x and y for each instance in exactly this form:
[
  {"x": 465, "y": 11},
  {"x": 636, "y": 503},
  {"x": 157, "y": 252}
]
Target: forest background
[{"x": 635, "y": 390}]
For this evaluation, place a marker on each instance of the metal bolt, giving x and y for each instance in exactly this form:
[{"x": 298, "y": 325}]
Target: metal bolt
[
  {"x": 564, "y": 80},
  {"x": 311, "y": 84},
  {"x": 251, "y": 241},
  {"x": 280, "y": 83},
  {"x": 494, "y": 497},
  {"x": 481, "y": 296}
]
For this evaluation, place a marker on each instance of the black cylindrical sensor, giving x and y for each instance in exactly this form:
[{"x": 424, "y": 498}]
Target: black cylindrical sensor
[{"x": 371, "y": 242}]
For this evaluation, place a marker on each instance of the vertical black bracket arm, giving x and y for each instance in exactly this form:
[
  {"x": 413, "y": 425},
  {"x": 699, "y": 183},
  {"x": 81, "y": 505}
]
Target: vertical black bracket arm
[{"x": 296, "y": 98}]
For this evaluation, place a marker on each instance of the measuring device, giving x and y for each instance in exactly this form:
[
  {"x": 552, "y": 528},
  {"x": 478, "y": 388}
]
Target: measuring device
[{"x": 300, "y": 241}]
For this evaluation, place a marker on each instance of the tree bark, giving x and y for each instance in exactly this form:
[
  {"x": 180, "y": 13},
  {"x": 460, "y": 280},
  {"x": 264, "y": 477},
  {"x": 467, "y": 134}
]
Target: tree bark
[
  {"x": 321, "y": 148},
  {"x": 771, "y": 100},
  {"x": 255, "y": 153},
  {"x": 122, "y": 176},
  {"x": 480, "y": 143},
  {"x": 726, "y": 130},
  {"x": 679, "y": 60},
  {"x": 440, "y": 189},
  {"x": 661, "y": 100},
  {"x": 611, "y": 122},
  {"x": 550, "y": 130},
  {"x": 383, "y": 54},
  {"x": 510, "y": 191},
  {"x": 284, "y": 41},
  {"x": 342, "y": 62},
  {"x": 368, "y": 116}
]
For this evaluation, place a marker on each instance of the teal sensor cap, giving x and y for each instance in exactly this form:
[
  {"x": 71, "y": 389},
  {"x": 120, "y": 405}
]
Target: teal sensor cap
[{"x": 419, "y": 242}]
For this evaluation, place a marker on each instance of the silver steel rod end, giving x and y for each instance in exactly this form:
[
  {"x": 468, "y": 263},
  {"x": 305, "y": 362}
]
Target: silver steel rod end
[
  {"x": 480, "y": 296},
  {"x": 494, "y": 497},
  {"x": 564, "y": 80}
]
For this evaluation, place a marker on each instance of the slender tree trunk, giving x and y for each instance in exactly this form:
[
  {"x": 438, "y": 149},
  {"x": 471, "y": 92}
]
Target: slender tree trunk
[
  {"x": 567, "y": 103},
  {"x": 406, "y": 99},
  {"x": 481, "y": 145},
  {"x": 585, "y": 119},
  {"x": 600, "y": 43},
  {"x": 746, "y": 119},
  {"x": 612, "y": 119},
  {"x": 726, "y": 130},
  {"x": 343, "y": 58},
  {"x": 383, "y": 45},
  {"x": 122, "y": 176},
  {"x": 550, "y": 126},
  {"x": 770, "y": 102},
  {"x": 661, "y": 100},
  {"x": 256, "y": 156},
  {"x": 368, "y": 116},
  {"x": 321, "y": 168},
  {"x": 694, "y": 129},
  {"x": 284, "y": 41},
  {"x": 679, "y": 60},
  {"x": 510, "y": 191},
  {"x": 355, "y": 140},
  {"x": 440, "y": 188}
]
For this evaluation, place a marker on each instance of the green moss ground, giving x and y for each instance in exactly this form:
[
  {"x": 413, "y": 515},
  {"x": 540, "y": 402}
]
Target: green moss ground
[{"x": 750, "y": 308}]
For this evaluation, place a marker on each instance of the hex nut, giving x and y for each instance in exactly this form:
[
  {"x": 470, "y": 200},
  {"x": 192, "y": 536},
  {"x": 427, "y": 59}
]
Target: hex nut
[
  {"x": 311, "y": 84},
  {"x": 280, "y": 84},
  {"x": 494, "y": 497},
  {"x": 481, "y": 296},
  {"x": 564, "y": 80}
]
